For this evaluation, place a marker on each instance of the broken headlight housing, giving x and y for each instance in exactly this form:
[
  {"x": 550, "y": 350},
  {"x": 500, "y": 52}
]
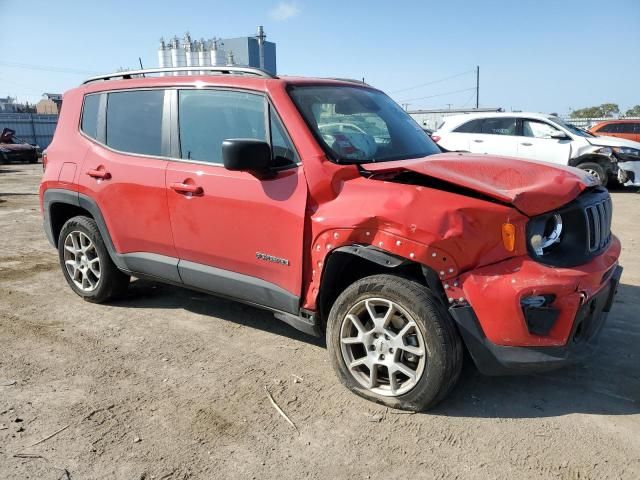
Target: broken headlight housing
[
  {"x": 544, "y": 233},
  {"x": 566, "y": 237}
]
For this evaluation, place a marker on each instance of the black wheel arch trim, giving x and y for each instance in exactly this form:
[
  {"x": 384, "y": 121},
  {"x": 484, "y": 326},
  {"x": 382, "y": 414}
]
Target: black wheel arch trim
[{"x": 602, "y": 160}]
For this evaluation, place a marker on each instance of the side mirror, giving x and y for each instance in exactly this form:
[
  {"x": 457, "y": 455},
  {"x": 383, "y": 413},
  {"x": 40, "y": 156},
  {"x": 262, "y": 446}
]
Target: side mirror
[
  {"x": 559, "y": 135},
  {"x": 246, "y": 154}
]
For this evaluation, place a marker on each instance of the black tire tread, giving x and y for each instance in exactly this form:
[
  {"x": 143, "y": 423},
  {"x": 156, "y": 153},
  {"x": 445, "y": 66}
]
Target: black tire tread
[
  {"x": 114, "y": 283},
  {"x": 447, "y": 335}
]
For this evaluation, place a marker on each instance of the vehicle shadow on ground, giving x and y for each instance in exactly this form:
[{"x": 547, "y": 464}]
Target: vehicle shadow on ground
[
  {"x": 632, "y": 189},
  {"x": 607, "y": 383},
  {"x": 147, "y": 294},
  {"x": 9, "y": 170}
]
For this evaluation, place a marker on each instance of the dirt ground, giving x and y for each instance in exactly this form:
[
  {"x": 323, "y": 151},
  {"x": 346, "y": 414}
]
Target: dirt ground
[{"x": 170, "y": 384}]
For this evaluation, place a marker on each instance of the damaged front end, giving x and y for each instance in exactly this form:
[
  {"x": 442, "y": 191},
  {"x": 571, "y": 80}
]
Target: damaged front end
[{"x": 528, "y": 272}]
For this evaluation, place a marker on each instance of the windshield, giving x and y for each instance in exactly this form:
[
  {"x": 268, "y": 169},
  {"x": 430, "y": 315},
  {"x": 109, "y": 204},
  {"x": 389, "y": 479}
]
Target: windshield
[
  {"x": 572, "y": 128},
  {"x": 361, "y": 125}
]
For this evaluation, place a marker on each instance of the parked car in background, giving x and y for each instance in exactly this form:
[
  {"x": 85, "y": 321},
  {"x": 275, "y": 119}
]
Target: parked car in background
[
  {"x": 629, "y": 129},
  {"x": 537, "y": 136},
  {"x": 13, "y": 149},
  {"x": 324, "y": 202}
]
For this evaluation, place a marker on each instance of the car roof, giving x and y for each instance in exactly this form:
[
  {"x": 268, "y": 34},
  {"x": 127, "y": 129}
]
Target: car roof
[
  {"x": 249, "y": 80},
  {"x": 453, "y": 121},
  {"x": 621, "y": 120}
]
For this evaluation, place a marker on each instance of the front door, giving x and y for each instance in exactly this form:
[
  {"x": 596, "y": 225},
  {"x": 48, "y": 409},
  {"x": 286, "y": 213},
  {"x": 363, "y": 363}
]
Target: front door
[
  {"x": 536, "y": 143},
  {"x": 236, "y": 234}
]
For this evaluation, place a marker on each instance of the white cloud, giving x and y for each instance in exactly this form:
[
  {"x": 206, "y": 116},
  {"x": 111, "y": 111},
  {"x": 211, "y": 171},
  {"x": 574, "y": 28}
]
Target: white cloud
[{"x": 284, "y": 11}]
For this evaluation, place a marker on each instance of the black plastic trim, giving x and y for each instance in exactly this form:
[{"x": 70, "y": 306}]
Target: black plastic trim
[
  {"x": 373, "y": 254},
  {"x": 238, "y": 286},
  {"x": 51, "y": 196},
  {"x": 492, "y": 359}
]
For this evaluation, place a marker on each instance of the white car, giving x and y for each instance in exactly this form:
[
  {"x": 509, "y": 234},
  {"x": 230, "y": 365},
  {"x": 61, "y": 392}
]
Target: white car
[{"x": 542, "y": 137}]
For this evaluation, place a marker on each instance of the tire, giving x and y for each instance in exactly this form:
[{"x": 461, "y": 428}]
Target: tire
[
  {"x": 439, "y": 343},
  {"x": 596, "y": 170},
  {"x": 97, "y": 279}
]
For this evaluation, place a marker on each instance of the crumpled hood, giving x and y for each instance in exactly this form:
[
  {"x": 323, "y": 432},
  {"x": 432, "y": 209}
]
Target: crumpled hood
[
  {"x": 530, "y": 186},
  {"x": 613, "y": 142}
]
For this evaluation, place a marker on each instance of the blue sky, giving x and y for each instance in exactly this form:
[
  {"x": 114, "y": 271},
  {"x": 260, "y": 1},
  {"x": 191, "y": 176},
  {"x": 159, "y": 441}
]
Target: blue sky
[{"x": 533, "y": 55}]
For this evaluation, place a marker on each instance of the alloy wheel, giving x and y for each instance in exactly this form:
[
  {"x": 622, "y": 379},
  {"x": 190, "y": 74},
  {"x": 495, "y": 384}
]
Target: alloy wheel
[
  {"x": 382, "y": 347},
  {"x": 82, "y": 261}
]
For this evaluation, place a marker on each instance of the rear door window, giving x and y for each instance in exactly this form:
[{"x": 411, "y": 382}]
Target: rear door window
[
  {"x": 499, "y": 126},
  {"x": 626, "y": 128},
  {"x": 209, "y": 117},
  {"x": 134, "y": 121},
  {"x": 609, "y": 128}
]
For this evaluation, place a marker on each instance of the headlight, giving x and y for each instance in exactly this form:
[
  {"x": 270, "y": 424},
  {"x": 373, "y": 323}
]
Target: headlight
[
  {"x": 604, "y": 151},
  {"x": 634, "y": 152},
  {"x": 545, "y": 233}
]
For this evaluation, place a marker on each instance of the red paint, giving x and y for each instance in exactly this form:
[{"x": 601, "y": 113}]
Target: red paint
[
  {"x": 206, "y": 214},
  {"x": 532, "y": 187}
]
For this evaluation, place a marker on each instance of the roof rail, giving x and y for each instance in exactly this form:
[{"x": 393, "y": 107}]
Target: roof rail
[
  {"x": 231, "y": 70},
  {"x": 350, "y": 80}
]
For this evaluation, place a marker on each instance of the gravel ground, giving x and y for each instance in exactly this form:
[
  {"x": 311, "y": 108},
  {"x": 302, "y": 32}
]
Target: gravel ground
[{"x": 170, "y": 384}]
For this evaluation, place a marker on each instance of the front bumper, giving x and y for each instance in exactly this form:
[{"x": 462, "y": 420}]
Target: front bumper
[
  {"x": 632, "y": 171},
  {"x": 494, "y": 359}
]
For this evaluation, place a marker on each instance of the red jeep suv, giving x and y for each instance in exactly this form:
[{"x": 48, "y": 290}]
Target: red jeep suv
[{"x": 323, "y": 201}]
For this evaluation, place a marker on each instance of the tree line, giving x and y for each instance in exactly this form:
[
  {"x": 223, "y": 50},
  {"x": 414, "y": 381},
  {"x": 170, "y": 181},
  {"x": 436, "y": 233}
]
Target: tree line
[{"x": 605, "y": 110}]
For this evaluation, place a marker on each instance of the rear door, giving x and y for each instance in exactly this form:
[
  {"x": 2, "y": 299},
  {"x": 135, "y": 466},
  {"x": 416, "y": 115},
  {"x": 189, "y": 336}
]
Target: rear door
[
  {"x": 238, "y": 234},
  {"x": 535, "y": 142},
  {"x": 124, "y": 174},
  {"x": 496, "y": 137}
]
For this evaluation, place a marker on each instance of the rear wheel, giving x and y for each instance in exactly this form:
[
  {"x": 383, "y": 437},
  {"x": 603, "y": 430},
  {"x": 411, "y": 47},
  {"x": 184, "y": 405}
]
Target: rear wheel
[
  {"x": 392, "y": 341},
  {"x": 596, "y": 171},
  {"x": 86, "y": 263}
]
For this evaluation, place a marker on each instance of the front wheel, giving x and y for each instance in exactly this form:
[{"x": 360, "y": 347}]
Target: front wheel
[
  {"x": 596, "y": 171},
  {"x": 392, "y": 341}
]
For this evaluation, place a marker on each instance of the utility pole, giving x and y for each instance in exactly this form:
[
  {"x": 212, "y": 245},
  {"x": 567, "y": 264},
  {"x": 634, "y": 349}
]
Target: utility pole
[{"x": 477, "y": 86}]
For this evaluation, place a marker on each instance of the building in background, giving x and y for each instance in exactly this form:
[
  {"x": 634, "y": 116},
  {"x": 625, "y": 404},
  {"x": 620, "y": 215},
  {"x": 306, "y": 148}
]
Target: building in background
[
  {"x": 252, "y": 51},
  {"x": 50, "y": 104},
  {"x": 8, "y": 105}
]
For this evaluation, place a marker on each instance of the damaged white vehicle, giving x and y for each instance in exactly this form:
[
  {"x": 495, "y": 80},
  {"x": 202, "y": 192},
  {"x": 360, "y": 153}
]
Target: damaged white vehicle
[{"x": 537, "y": 136}]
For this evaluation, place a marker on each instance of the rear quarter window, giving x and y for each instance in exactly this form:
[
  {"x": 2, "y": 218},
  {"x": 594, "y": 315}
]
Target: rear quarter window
[
  {"x": 472, "y": 126},
  {"x": 90, "y": 108}
]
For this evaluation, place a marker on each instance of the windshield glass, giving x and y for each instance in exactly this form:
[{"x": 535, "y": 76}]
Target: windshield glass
[
  {"x": 361, "y": 125},
  {"x": 572, "y": 128}
]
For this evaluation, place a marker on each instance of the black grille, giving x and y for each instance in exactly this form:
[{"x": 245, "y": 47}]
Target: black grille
[
  {"x": 586, "y": 229},
  {"x": 599, "y": 224}
]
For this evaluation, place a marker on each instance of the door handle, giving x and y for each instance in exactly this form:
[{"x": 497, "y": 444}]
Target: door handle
[
  {"x": 186, "y": 188},
  {"x": 526, "y": 144},
  {"x": 478, "y": 140},
  {"x": 100, "y": 174}
]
